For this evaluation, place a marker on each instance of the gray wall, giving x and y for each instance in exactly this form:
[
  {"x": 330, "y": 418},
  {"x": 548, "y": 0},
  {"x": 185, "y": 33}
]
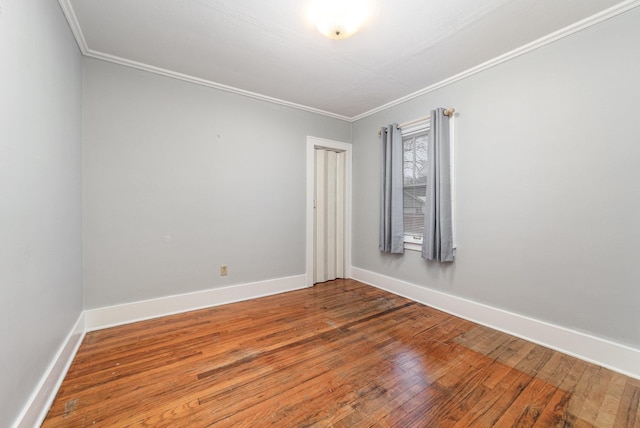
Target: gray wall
[
  {"x": 40, "y": 194},
  {"x": 548, "y": 185},
  {"x": 181, "y": 178}
]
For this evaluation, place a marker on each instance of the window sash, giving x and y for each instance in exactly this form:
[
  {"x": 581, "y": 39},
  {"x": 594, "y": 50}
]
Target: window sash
[{"x": 414, "y": 143}]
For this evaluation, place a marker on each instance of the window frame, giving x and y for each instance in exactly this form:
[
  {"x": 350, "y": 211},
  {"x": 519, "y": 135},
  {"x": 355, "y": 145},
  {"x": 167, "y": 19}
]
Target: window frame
[
  {"x": 424, "y": 125},
  {"x": 410, "y": 241}
]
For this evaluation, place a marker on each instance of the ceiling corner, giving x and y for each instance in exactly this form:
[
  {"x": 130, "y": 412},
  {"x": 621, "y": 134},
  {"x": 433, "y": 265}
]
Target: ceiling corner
[{"x": 69, "y": 13}]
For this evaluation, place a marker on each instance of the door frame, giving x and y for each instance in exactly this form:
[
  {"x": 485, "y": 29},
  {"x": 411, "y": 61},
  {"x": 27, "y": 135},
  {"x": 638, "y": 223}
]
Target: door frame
[{"x": 314, "y": 143}]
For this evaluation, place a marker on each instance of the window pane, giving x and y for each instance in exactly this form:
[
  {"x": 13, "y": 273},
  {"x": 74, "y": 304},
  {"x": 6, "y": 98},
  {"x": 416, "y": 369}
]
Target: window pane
[
  {"x": 415, "y": 179},
  {"x": 413, "y": 210},
  {"x": 415, "y": 160}
]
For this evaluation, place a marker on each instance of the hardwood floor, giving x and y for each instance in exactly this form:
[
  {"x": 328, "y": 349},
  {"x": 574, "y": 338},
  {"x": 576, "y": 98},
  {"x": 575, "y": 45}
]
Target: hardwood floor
[{"x": 340, "y": 354}]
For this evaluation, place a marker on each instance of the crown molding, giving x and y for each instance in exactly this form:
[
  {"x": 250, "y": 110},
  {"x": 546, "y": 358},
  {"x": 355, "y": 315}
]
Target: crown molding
[
  {"x": 204, "y": 82},
  {"x": 536, "y": 44},
  {"x": 618, "y": 9},
  {"x": 70, "y": 14}
]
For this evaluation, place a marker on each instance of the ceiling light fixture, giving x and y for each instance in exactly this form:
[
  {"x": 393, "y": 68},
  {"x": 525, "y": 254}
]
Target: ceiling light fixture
[{"x": 338, "y": 19}]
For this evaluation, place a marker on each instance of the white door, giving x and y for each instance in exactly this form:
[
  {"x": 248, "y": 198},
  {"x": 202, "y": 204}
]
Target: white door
[{"x": 329, "y": 215}]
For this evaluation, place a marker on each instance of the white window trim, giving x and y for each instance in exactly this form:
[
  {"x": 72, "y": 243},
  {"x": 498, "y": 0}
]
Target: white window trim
[{"x": 410, "y": 242}]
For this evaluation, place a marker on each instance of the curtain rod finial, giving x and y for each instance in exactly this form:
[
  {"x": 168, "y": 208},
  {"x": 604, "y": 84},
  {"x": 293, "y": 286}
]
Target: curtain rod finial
[{"x": 449, "y": 112}]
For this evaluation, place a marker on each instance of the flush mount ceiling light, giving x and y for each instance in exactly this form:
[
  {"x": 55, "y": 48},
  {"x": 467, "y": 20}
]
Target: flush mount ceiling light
[{"x": 338, "y": 19}]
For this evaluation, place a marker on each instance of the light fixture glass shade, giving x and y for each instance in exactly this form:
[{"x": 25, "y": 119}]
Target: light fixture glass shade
[{"x": 338, "y": 19}]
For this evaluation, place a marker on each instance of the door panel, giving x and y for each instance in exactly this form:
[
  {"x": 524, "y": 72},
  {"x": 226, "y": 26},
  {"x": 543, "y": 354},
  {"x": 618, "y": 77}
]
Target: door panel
[{"x": 329, "y": 215}]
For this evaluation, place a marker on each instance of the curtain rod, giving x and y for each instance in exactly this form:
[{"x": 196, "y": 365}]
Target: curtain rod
[{"x": 448, "y": 112}]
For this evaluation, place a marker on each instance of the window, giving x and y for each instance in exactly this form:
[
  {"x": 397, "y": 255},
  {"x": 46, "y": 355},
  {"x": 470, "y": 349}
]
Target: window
[{"x": 414, "y": 142}]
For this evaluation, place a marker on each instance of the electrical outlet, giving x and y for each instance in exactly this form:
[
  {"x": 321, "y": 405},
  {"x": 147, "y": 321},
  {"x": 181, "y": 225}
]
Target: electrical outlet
[{"x": 223, "y": 270}]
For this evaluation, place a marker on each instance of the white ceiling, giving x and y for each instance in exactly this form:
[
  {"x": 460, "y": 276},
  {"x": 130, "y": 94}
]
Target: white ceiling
[{"x": 270, "y": 50}]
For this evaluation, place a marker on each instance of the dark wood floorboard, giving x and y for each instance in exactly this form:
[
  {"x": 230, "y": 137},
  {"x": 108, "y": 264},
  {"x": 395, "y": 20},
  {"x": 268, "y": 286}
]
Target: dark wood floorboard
[{"x": 340, "y": 354}]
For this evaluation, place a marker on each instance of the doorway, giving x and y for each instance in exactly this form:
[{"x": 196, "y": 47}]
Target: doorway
[
  {"x": 328, "y": 210},
  {"x": 328, "y": 219}
]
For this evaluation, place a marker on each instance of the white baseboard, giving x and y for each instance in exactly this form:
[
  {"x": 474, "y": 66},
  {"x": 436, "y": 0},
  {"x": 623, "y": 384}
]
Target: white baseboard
[
  {"x": 615, "y": 356},
  {"x": 36, "y": 408},
  {"x": 110, "y": 316},
  {"x": 605, "y": 353}
]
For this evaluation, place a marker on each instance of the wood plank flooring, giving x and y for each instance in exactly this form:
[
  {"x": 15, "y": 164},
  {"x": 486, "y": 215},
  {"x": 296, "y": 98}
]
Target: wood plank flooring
[{"x": 340, "y": 354}]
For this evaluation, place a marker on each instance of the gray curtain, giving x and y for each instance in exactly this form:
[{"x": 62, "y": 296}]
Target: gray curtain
[
  {"x": 437, "y": 242},
  {"x": 391, "y": 188}
]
